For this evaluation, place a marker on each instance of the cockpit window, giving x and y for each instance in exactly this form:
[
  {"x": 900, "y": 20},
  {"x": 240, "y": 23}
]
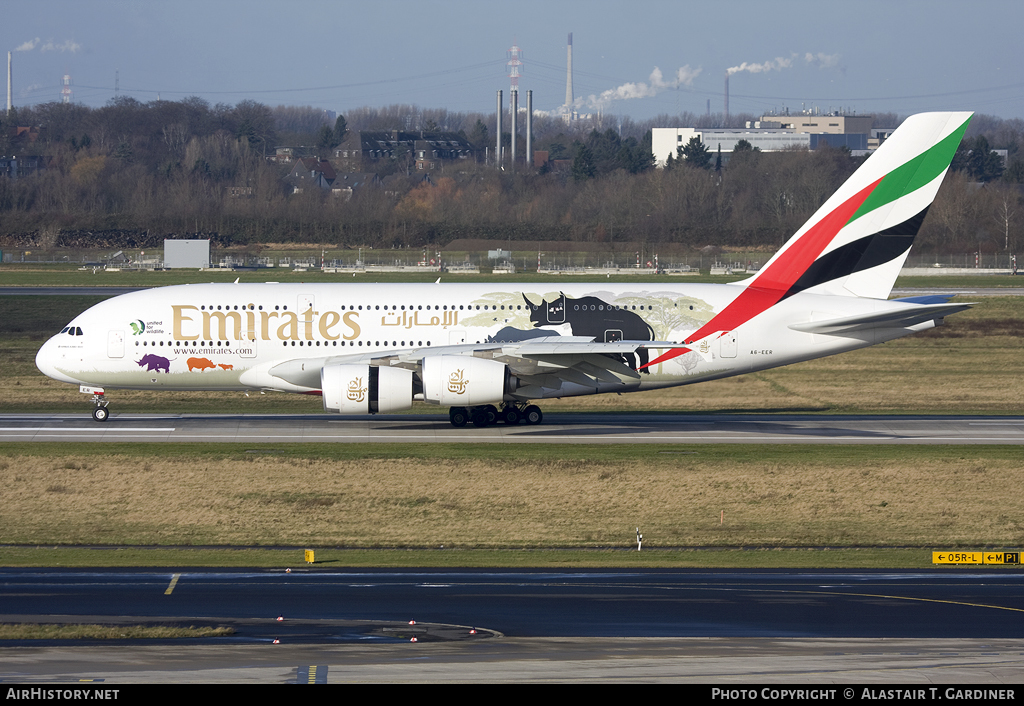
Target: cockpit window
[
  {"x": 65, "y": 329},
  {"x": 74, "y": 331},
  {"x": 78, "y": 331}
]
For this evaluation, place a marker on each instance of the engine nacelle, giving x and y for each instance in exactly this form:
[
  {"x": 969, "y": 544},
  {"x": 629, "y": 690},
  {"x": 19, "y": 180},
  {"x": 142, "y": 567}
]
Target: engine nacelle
[
  {"x": 465, "y": 381},
  {"x": 362, "y": 389}
]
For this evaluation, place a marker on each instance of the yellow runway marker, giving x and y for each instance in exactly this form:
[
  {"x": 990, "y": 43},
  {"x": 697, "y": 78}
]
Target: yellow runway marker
[{"x": 174, "y": 582}]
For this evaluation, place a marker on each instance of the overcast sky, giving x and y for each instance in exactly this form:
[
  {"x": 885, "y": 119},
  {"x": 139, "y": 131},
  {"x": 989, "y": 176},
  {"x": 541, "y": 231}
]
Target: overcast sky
[{"x": 899, "y": 55}]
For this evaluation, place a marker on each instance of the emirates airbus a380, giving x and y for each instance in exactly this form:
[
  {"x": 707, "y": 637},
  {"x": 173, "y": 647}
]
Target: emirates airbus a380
[{"x": 488, "y": 352}]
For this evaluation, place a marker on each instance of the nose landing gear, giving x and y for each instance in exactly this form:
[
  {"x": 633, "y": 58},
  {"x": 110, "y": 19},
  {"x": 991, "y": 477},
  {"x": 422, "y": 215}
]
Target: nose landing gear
[
  {"x": 485, "y": 415},
  {"x": 99, "y": 409}
]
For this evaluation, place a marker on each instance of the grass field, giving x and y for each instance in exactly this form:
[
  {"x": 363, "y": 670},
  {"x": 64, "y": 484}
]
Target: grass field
[
  {"x": 467, "y": 497},
  {"x": 59, "y": 631}
]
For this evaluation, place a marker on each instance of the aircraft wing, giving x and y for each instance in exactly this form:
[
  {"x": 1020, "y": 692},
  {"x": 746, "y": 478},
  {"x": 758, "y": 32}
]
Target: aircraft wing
[
  {"x": 541, "y": 364},
  {"x": 902, "y": 317},
  {"x": 544, "y": 365}
]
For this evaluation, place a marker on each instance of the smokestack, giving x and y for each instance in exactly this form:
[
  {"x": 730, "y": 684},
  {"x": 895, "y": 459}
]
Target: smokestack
[
  {"x": 497, "y": 148},
  {"x": 569, "y": 99},
  {"x": 10, "y": 104},
  {"x": 726, "y": 98},
  {"x": 514, "y": 105},
  {"x": 529, "y": 129}
]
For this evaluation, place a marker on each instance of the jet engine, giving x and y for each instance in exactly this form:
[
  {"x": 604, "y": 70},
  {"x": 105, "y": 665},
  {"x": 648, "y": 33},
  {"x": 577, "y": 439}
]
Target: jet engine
[
  {"x": 465, "y": 381},
  {"x": 362, "y": 389}
]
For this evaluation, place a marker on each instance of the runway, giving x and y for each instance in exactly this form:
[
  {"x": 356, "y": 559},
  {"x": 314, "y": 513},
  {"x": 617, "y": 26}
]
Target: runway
[
  {"x": 949, "y": 603},
  {"x": 697, "y": 626},
  {"x": 557, "y": 428}
]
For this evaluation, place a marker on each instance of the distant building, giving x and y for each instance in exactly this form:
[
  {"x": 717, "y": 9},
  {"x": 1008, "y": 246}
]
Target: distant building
[
  {"x": 22, "y": 135},
  {"x": 241, "y": 192},
  {"x": 282, "y": 155},
  {"x": 349, "y": 184},
  {"x": 20, "y": 167},
  {"x": 424, "y": 151},
  {"x": 310, "y": 172},
  {"x": 829, "y": 124},
  {"x": 186, "y": 253},
  {"x": 772, "y": 133}
]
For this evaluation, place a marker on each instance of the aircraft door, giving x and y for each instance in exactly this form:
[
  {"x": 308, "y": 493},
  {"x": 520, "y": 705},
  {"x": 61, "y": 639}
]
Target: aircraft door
[
  {"x": 729, "y": 344},
  {"x": 556, "y": 310},
  {"x": 247, "y": 346},
  {"x": 115, "y": 344}
]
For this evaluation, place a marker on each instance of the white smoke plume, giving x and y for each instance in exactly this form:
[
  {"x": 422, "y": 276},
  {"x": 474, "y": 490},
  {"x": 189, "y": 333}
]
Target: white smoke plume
[
  {"x": 69, "y": 45},
  {"x": 656, "y": 83},
  {"x": 821, "y": 60},
  {"x": 778, "y": 64}
]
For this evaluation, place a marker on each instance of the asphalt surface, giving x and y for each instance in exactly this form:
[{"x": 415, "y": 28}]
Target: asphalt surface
[
  {"x": 698, "y": 626},
  {"x": 604, "y": 428},
  {"x": 947, "y": 603}
]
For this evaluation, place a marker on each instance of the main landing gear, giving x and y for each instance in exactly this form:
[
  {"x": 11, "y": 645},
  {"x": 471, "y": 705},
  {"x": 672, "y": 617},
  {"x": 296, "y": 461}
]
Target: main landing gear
[{"x": 510, "y": 414}]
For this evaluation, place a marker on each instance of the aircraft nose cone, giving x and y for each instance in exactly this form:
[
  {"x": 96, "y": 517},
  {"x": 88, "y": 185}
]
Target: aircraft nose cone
[{"x": 46, "y": 360}]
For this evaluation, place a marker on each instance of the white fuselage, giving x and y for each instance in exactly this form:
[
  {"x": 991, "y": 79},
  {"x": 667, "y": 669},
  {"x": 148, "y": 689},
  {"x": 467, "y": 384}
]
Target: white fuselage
[{"x": 231, "y": 336}]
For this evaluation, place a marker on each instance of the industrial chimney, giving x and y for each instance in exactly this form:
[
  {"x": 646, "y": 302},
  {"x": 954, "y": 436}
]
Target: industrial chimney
[
  {"x": 569, "y": 99},
  {"x": 497, "y": 147},
  {"x": 529, "y": 129},
  {"x": 726, "y": 100},
  {"x": 10, "y": 104}
]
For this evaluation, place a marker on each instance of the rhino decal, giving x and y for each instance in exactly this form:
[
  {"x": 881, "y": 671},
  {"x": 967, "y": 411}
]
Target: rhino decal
[
  {"x": 590, "y": 316},
  {"x": 154, "y": 362},
  {"x": 200, "y": 363}
]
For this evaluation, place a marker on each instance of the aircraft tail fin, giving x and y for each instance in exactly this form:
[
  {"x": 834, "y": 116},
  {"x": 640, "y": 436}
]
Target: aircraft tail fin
[{"x": 856, "y": 243}]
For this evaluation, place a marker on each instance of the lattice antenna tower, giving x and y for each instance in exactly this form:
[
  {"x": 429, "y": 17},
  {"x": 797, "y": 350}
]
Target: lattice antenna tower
[
  {"x": 514, "y": 65},
  {"x": 65, "y": 90}
]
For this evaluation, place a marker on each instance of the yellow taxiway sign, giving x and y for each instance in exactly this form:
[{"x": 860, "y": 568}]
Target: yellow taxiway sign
[{"x": 952, "y": 557}]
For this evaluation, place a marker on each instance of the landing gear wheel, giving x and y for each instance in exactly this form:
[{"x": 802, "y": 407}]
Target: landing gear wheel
[
  {"x": 480, "y": 417},
  {"x": 492, "y": 413},
  {"x": 100, "y": 414},
  {"x": 458, "y": 416},
  {"x": 533, "y": 415},
  {"x": 511, "y": 416}
]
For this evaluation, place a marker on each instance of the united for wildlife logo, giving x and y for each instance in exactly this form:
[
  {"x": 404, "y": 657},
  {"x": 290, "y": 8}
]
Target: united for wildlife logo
[
  {"x": 138, "y": 327},
  {"x": 457, "y": 383}
]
